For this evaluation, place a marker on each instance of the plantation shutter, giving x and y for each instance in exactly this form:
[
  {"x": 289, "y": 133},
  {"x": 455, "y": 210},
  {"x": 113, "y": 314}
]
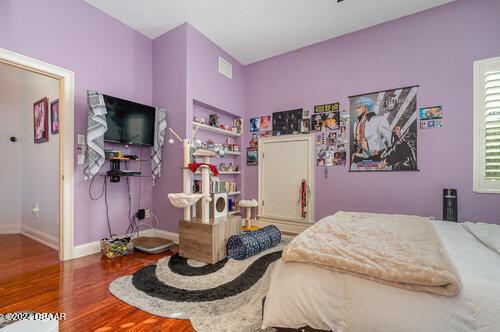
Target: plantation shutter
[{"x": 492, "y": 125}]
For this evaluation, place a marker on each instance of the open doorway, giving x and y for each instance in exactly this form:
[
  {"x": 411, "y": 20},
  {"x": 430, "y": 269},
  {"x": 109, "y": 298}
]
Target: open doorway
[
  {"x": 37, "y": 198},
  {"x": 29, "y": 196}
]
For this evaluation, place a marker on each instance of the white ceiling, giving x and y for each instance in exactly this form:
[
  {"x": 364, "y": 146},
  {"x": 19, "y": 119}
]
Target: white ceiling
[{"x": 253, "y": 30}]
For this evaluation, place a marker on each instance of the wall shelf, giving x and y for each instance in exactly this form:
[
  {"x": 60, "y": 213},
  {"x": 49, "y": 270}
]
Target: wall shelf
[
  {"x": 215, "y": 129},
  {"x": 232, "y": 153},
  {"x": 233, "y": 212},
  {"x": 222, "y": 173}
]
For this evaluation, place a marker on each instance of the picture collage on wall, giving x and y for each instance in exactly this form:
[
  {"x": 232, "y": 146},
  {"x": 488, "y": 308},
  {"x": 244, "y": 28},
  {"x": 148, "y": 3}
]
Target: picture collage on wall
[
  {"x": 383, "y": 132},
  {"x": 330, "y": 129},
  {"x": 288, "y": 122},
  {"x": 431, "y": 117}
]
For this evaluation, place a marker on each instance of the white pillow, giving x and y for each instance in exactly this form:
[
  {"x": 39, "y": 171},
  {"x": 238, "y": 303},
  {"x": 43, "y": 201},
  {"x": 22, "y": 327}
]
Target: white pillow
[{"x": 488, "y": 234}]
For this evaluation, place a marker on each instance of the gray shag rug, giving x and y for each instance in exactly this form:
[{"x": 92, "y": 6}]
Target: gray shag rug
[{"x": 226, "y": 296}]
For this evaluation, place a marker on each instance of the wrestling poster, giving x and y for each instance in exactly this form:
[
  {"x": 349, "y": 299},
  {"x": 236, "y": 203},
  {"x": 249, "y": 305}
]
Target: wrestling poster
[{"x": 383, "y": 131}]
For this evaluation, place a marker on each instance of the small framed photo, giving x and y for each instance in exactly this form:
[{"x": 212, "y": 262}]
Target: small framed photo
[
  {"x": 54, "y": 117},
  {"x": 252, "y": 156},
  {"x": 41, "y": 121}
]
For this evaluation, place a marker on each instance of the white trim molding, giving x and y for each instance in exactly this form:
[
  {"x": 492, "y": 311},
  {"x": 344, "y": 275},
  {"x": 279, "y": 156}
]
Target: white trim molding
[
  {"x": 41, "y": 237},
  {"x": 66, "y": 137},
  {"x": 10, "y": 229},
  {"x": 95, "y": 247},
  {"x": 480, "y": 183},
  {"x": 311, "y": 172}
]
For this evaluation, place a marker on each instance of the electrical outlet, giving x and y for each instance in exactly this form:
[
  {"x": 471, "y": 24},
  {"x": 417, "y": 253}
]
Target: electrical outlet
[{"x": 148, "y": 213}]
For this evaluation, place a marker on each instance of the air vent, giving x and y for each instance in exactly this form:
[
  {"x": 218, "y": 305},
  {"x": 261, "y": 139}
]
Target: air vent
[{"x": 225, "y": 68}]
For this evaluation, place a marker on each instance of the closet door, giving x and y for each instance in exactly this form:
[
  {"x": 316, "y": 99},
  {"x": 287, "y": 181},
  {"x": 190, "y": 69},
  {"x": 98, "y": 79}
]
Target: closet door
[{"x": 285, "y": 161}]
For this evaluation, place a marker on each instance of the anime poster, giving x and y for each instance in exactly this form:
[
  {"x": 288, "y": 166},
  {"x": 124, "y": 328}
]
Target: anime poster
[
  {"x": 325, "y": 121},
  {"x": 254, "y": 124},
  {"x": 265, "y": 123},
  {"x": 383, "y": 131},
  {"x": 331, "y": 144},
  {"x": 431, "y": 117},
  {"x": 287, "y": 122}
]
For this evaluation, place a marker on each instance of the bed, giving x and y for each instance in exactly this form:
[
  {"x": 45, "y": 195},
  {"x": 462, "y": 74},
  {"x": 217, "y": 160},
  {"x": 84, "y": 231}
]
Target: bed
[{"x": 302, "y": 294}]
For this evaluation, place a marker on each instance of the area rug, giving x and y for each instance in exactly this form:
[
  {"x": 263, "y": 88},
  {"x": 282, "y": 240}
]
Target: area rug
[{"x": 226, "y": 296}]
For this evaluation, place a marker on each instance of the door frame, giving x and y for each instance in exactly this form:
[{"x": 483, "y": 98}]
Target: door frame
[
  {"x": 312, "y": 166},
  {"x": 66, "y": 80}
]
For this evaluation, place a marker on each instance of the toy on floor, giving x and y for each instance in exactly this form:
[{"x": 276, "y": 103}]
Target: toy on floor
[
  {"x": 250, "y": 243},
  {"x": 249, "y": 205}
]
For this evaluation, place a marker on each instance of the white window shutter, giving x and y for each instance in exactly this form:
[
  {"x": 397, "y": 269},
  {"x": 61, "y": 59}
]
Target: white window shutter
[{"x": 487, "y": 126}]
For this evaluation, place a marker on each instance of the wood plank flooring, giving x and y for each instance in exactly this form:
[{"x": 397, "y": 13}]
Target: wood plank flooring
[{"x": 32, "y": 278}]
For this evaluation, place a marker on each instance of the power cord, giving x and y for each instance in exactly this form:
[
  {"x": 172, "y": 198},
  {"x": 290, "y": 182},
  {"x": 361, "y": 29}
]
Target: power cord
[{"x": 103, "y": 191}]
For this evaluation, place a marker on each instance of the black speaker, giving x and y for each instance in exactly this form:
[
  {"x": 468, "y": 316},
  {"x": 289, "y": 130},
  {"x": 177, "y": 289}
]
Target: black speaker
[{"x": 450, "y": 205}]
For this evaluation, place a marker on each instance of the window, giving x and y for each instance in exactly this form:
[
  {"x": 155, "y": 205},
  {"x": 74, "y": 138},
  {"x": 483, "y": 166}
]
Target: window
[{"x": 487, "y": 126}]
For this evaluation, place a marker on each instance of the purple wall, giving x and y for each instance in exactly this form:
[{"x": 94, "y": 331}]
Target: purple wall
[
  {"x": 186, "y": 69},
  {"x": 169, "y": 77},
  {"x": 435, "y": 49},
  {"x": 106, "y": 56}
]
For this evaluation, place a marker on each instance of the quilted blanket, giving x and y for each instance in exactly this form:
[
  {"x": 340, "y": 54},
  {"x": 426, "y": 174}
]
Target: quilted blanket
[{"x": 397, "y": 250}]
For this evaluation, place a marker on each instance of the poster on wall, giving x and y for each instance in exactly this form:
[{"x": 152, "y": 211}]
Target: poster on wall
[
  {"x": 54, "y": 117},
  {"x": 41, "y": 120},
  {"x": 431, "y": 117},
  {"x": 252, "y": 156},
  {"x": 326, "y": 121},
  {"x": 383, "y": 130},
  {"x": 254, "y": 124},
  {"x": 332, "y": 141},
  {"x": 287, "y": 122},
  {"x": 327, "y": 108}
]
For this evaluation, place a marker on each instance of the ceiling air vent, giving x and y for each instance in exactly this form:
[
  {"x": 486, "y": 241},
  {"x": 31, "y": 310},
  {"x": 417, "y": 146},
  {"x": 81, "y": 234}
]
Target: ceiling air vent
[{"x": 225, "y": 68}]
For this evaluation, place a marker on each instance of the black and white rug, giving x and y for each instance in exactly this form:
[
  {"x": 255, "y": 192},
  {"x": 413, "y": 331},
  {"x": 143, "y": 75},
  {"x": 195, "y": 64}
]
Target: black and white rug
[{"x": 226, "y": 296}]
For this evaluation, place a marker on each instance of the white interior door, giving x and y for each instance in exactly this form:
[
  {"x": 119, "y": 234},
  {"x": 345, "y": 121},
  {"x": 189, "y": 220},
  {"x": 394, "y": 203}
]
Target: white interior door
[{"x": 283, "y": 163}]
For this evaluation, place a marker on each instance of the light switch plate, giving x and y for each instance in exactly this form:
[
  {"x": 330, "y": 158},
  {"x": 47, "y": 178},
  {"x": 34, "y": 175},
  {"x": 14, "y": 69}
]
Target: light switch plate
[
  {"x": 81, "y": 139},
  {"x": 81, "y": 159}
]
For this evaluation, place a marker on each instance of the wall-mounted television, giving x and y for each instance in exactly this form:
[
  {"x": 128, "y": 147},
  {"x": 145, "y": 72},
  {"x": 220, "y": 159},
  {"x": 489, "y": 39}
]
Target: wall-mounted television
[{"x": 128, "y": 122}]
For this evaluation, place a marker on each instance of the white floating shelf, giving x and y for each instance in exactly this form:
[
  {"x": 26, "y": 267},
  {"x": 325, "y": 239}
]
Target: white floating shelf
[
  {"x": 233, "y": 212},
  {"x": 232, "y": 153},
  {"x": 215, "y": 129},
  {"x": 233, "y": 193},
  {"x": 221, "y": 173}
]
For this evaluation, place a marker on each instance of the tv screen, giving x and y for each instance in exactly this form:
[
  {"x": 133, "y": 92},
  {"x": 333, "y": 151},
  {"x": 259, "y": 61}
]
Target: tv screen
[{"x": 128, "y": 122}]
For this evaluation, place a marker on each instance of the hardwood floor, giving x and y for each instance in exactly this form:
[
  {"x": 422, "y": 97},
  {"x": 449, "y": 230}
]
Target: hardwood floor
[{"x": 32, "y": 278}]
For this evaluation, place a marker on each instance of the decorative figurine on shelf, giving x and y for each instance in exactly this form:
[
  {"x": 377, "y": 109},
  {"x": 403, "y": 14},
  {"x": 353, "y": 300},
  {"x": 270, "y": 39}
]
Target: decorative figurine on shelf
[
  {"x": 237, "y": 168},
  {"x": 214, "y": 120},
  {"x": 236, "y": 148},
  {"x": 237, "y": 125},
  {"x": 230, "y": 168},
  {"x": 210, "y": 144},
  {"x": 222, "y": 167}
]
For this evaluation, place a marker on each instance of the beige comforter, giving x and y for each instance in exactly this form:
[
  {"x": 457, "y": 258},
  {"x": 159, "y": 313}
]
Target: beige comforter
[{"x": 398, "y": 250}]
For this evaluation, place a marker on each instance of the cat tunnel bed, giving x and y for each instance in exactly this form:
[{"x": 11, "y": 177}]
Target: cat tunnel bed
[{"x": 251, "y": 243}]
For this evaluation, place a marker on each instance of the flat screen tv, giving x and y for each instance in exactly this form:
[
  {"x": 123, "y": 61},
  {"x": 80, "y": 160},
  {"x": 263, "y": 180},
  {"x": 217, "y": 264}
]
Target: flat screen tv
[{"x": 128, "y": 122}]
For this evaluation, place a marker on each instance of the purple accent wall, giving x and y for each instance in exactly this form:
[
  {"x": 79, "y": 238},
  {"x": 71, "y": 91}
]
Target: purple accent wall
[
  {"x": 186, "y": 69},
  {"x": 106, "y": 56},
  {"x": 435, "y": 49},
  {"x": 169, "y": 77}
]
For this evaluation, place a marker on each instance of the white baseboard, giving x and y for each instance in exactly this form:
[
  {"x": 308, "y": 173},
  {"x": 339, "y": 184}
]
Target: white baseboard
[
  {"x": 95, "y": 247},
  {"x": 293, "y": 227},
  {"x": 86, "y": 249},
  {"x": 39, "y": 236},
  {"x": 10, "y": 229}
]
